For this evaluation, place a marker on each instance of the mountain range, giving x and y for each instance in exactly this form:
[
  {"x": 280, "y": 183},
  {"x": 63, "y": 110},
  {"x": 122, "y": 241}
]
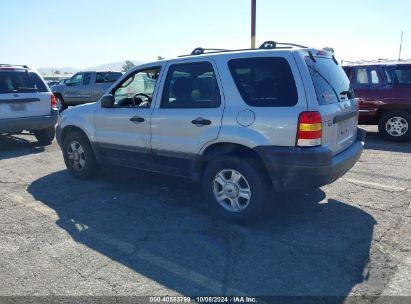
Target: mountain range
[{"x": 113, "y": 66}]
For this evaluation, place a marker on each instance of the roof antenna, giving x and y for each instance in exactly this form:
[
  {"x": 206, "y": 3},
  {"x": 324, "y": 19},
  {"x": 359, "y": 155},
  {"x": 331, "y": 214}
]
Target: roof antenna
[{"x": 399, "y": 55}]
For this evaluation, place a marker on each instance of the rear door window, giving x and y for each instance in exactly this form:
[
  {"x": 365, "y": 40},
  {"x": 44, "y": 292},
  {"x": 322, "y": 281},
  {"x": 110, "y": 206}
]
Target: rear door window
[
  {"x": 366, "y": 76},
  {"x": 107, "y": 77},
  {"x": 264, "y": 82},
  {"x": 402, "y": 75},
  {"x": 330, "y": 81},
  {"x": 191, "y": 85},
  {"x": 21, "y": 82}
]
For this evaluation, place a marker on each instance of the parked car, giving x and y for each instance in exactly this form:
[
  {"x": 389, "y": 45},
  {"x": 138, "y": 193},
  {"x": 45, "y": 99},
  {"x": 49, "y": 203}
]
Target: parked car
[
  {"x": 384, "y": 91},
  {"x": 243, "y": 123},
  {"x": 83, "y": 87},
  {"x": 26, "y": 103}
]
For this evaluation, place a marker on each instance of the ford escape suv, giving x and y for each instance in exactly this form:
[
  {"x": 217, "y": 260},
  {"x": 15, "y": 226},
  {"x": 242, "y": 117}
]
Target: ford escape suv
[
  {"x": 242, "y": 123},
  {"x": 26, "y": 103}
]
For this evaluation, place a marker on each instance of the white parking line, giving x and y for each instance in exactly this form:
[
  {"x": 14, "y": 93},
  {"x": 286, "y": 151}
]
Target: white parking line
[{"x": 376, "y": 185}]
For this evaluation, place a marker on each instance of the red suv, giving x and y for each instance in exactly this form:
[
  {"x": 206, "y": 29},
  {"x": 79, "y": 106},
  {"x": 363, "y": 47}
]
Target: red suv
[{"x": 383, "y": 88}]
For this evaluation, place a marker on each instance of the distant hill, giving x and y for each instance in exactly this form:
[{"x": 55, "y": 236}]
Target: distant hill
[
  {"x": 113, "y": 66},
  {"x": 49, "y": 71}
]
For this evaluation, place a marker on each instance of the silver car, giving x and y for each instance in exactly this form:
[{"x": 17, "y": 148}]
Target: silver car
[
  {"x": 26, "y": 103},
  {"x": 242, "y": 123}
]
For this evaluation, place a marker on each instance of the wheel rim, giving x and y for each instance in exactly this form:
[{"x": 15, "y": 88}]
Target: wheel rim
[
  {"x": 76, "y": 156},
  {"x": 232, "y": 190},
  {"x": 59, "y": 103},
  {"x": 396, "y": 126}
]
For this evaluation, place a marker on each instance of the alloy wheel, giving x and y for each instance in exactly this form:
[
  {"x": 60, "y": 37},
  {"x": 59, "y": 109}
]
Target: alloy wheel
[{"x": 232, "y": 190}]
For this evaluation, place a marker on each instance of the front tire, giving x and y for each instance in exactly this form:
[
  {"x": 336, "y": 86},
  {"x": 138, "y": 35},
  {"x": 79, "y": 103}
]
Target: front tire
[
  {"x": 79, "y": 156},
  {"x": 234, "y": 188},
  {"x": 395, "y": 126},
  {"x": 45, "y": 136}
]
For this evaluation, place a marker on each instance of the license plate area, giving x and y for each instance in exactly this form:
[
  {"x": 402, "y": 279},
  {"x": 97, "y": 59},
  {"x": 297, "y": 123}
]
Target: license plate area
[
  {"x": 18, "y": 107},
  {"x": 344, "y": 130}
]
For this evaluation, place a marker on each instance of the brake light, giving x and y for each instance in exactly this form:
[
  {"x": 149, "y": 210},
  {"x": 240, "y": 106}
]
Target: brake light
[
  {"x": 309, "y": 129},
  {"x": 53, "y": 102}
]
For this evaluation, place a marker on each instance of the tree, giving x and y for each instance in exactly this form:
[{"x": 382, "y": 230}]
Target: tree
[
  {"x": 160, "y": 58},
  {"x": 329, "y": 49},
  {"x": 128, "y": 65},
  {"x": 57, "y": 72}
]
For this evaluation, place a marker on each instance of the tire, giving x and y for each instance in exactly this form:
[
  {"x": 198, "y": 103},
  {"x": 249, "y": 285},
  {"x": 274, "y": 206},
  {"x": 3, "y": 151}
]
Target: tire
[
  {"x": 395, "y": 126},
  {"x": 45, "y": 136},
  {"x": 61, "y": 105},
  {"x": 79, "y": 156},
  {"x": 245, "y": 209}
]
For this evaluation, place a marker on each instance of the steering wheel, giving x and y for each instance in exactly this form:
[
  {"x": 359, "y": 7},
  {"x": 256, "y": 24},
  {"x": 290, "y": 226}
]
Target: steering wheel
[{"x": 142, "y": 103}]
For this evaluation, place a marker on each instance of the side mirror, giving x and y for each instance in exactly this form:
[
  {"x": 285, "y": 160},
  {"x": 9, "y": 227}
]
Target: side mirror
[{"x": 107, "y": 101}]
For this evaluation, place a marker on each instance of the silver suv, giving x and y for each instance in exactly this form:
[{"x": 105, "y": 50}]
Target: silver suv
[
  {"x": 26, "y": 103},
  {"x": 242, "y": 123}
]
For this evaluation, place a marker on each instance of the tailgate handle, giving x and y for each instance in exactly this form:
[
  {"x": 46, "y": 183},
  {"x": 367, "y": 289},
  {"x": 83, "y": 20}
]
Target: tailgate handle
[
  {"x": 19, "y": 100},
  {"x": 344, "y": 116}
]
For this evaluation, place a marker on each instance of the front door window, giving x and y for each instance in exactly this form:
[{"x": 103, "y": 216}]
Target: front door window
[{"x": 137, "y": 90}]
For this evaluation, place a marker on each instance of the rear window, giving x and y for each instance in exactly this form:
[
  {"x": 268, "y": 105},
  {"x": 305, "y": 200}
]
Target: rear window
[
  {"x": 103, "y": 77},
  {"x": 264, "y": 82},
  {"x": 330, "y": 81},
  {"x": 21, "y": 82}
]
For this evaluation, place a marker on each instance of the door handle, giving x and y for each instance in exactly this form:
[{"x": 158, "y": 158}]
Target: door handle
[
  {"x": 201, "y": 122},
  {"x": 137, "y": 119}
]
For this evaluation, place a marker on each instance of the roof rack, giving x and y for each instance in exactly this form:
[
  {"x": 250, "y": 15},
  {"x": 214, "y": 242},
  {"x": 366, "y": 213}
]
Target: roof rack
[
  {"x": 380, "y": 60},
  {"x": 268, "y": 45},
  {"x": 13, "y": 65}
]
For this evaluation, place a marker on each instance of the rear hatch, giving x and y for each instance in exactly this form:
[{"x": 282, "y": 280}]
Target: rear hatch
[
  {"x": 23, "y": 94},
  {"x": 336, "y": 102}
]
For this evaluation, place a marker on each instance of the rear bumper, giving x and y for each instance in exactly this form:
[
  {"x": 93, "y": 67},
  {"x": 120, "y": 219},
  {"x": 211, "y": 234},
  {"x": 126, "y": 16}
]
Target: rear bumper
[
  {"x": 292, "y": 168},
  {"x": 29, "y": 123},
  {"x": 368, "y": 116}
]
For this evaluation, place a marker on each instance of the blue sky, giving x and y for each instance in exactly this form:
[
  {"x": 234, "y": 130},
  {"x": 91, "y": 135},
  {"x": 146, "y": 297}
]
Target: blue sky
[{"x": 84, "y": 33}]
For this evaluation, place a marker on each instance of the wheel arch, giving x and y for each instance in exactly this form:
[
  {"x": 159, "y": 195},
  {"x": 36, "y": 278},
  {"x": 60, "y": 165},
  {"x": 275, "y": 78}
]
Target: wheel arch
[
  {"x": 71, "y": 128},
  {"x": 216, "y": 150},
  {"x": 392, "y": 107}
]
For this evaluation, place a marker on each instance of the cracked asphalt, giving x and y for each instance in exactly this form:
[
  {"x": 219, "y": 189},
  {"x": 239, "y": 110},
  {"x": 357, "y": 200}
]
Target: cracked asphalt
[{"x": 134, "y": 233}]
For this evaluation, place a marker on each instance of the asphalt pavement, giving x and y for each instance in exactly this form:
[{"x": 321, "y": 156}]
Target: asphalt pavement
[{"x": 129, "y": 232}]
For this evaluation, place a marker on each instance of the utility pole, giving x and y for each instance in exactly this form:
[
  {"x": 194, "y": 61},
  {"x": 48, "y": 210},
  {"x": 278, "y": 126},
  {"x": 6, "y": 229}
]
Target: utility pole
[
  {"x": 399, "y": 55},
  {"x": 253, "y": 22}
]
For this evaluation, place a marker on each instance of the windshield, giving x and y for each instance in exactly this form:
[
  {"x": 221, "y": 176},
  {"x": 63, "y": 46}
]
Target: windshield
[
  {"x": 20, "y": 82},
  {"x": 330, "y": 81}
]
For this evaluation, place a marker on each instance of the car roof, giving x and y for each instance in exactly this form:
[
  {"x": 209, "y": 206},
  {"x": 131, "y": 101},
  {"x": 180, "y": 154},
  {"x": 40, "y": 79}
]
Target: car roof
[
  {"x": 14, "y": 67},
  {"x": 376, "y": 62}
]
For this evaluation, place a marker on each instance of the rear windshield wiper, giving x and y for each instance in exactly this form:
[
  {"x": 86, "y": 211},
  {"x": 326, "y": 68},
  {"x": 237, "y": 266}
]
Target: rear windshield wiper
[
  {"x": 326, "y": 80},
  {"x": 349, "y": 93}
]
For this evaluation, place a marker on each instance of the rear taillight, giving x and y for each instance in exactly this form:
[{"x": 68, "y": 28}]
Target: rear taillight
[
  {"x": 309, "y": 129},
  {"x": 53, "y": 102}
]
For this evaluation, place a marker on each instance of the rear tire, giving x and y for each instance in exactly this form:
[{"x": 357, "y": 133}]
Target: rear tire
[
  {"x": 395, "y": 126},
  {"x": 234, "y": 188},
  {"x": 61, "y": 105},
  {"x": 45, "y": 136},
  {"x": 79, "y": 156}
]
